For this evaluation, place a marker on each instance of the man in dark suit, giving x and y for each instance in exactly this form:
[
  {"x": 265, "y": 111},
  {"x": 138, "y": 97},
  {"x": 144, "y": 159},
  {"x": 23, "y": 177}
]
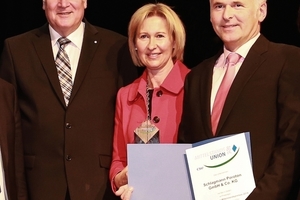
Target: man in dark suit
[
  {"x": 67, "y": 145},
  {"x": 11, "y": 145},
  {"x": 264, "y": 97}
]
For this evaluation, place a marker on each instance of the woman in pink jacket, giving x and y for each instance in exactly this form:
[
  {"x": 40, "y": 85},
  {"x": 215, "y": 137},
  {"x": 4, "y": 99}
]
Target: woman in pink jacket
[{"x": 149, "y": 109}]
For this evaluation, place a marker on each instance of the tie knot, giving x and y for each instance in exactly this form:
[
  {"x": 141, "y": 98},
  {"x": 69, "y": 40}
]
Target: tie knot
[
  {"x": 233, "y": 58},
  {"x": 63, "y": 41}
]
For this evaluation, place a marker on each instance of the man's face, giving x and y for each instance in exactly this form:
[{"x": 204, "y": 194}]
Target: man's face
[
  {"x": 64, "y": 15},
  {"x": 236, "y": 22}
]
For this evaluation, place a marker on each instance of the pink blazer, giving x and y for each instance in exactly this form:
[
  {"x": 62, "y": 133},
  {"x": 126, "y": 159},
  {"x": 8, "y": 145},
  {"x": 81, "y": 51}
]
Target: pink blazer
[{"x": 131, "y": 111}]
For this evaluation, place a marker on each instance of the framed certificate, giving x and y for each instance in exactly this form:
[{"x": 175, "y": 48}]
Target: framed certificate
[{"x": 221, "y": 168}]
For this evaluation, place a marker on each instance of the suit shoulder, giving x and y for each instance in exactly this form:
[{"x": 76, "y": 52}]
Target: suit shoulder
[
  {"x": 103, "y": 32},
  {"x": 284, "y": 52},
  {"x": 107, "y": 37},
  {"x": 22, "y": 36},
  {"x": 284, "y": 48}
]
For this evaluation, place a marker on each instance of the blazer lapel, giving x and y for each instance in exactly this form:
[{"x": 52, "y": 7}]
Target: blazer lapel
[
  {"x": 89, "y": 47},
  {"x": 251, "y": 63},
  {"x": 42, "y": 45}
]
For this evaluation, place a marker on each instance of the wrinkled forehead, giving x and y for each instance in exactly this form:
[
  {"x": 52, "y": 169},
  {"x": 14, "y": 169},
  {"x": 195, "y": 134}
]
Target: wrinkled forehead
[{"x": 236, "y": 1}]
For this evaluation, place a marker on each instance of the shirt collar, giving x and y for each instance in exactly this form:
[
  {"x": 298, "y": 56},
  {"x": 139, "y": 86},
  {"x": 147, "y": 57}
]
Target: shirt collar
[
  {"x": 242, "y": 51},
  {"x": 175, "y": 79},
  {"x": 172, "y": 83},
  {"x": 76, "y": 37}
]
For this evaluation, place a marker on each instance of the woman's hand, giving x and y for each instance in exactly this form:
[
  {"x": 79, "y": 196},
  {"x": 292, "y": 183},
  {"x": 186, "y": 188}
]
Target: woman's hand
[
  {"x": 124, "y": 192},
  {"x": 121, "y": 178}
]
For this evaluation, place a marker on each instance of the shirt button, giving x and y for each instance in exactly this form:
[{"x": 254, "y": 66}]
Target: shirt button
[
  {"x": 159, "y": 93},
  {"x": 68, "y": 158},
  {"x": 156, "y": 119},
  {"x": 68, "y": 125}
]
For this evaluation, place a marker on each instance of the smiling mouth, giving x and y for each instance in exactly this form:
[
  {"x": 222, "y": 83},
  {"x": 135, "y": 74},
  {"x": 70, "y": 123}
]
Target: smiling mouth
[
  {"x": 229, "y": 26},
  {"x": 65, "y": 13},
  {"x": 153, "y": 55}
]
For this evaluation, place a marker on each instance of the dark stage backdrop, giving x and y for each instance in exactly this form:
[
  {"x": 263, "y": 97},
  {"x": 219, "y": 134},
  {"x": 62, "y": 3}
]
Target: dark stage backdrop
[{"x": 19, "y": 16}]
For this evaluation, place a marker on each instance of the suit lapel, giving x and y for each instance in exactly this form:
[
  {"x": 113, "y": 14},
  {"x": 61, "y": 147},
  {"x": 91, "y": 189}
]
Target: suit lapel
[
  {"x": 251, "y": 63},
  {"x": 205, "y": 93},
  {"x": 42, "y": 45},
  {"x": 89, "y": 47}
]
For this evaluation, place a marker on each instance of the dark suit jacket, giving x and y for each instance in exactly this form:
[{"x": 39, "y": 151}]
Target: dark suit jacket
[
  {"x": 67, "y": 147},
  {"x": 11, "y": 143},
  {"x": 264, "y": 99}
]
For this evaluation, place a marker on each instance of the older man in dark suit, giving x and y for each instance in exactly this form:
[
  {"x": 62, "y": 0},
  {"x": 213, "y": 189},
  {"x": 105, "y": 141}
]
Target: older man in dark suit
[
  {"x": 67, "y": 74},
  {"x": 12, "y": 182},
  {"x": 263, "y": 97}
]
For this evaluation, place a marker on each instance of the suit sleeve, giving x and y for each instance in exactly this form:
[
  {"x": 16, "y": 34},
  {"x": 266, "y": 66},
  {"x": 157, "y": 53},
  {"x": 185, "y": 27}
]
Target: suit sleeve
[
  {"x": 6, "y": 65},
  {"x": 282, "y": 174},
  {"x": 19, "y": 155},
  {"x": 183, "y": 128},
  {"x": 7, "y": 73}
]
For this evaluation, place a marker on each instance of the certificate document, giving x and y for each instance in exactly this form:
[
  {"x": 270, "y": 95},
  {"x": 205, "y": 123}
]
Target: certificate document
[
  {"x": 221, "y": 169},
  {"x": 159, "y": 172}
]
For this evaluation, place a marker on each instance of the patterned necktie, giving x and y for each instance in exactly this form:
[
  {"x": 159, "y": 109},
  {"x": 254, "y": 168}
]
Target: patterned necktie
[
  {"x": 221, "y": 95},
  {"x": 64, "y": 69}
]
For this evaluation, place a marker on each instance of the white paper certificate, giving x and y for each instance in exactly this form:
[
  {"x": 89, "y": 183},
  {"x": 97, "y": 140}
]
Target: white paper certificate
[{"x": 222, "y": 169}]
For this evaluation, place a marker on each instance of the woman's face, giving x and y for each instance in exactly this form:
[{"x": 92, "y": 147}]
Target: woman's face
[{"x": 154, "y": 43}]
